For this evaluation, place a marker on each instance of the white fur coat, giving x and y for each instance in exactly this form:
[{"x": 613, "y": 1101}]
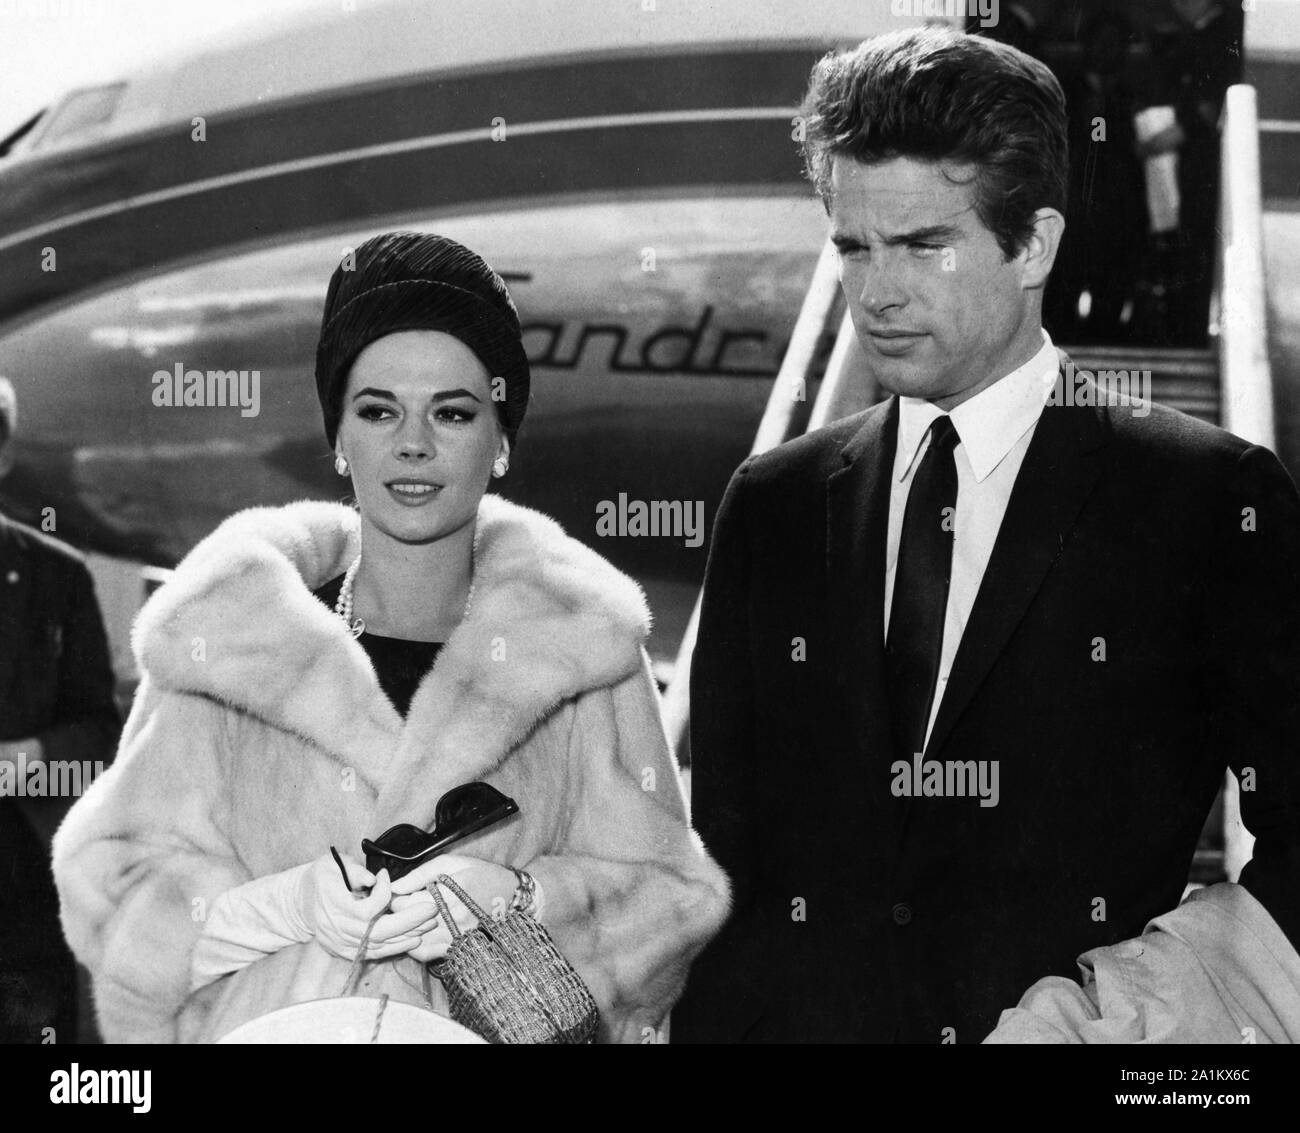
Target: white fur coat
[{"x": 260, "y": 736}]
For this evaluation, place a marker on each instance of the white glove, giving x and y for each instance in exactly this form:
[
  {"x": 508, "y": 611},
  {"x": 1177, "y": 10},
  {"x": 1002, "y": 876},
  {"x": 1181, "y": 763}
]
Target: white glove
[
  {"x": 309, "y": 901},
  {"x": 339, "y": 919}
]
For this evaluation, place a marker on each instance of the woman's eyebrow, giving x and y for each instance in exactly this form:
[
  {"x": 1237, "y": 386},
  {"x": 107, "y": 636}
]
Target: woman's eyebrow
[{"x": 446, "y": 395}]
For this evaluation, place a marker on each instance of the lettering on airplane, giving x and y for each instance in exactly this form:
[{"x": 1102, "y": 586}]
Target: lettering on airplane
[{"x": 701, "y": 349}]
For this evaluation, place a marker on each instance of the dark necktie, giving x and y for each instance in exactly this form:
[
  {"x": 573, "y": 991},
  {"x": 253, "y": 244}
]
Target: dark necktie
[{"x": 915, "y": 641}]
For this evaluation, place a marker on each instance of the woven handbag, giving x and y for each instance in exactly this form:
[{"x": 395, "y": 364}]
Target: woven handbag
[{"x": 506, "y": 980}]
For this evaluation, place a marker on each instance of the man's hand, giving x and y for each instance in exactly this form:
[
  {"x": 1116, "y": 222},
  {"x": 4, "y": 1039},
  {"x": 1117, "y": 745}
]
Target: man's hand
[
  {"x": 1168, "y": 140},
  {"x": 11, "y": 769},
  {"x": 32, "y": 748}
]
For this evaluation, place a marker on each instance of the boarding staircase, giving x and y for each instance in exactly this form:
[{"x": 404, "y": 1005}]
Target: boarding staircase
[{"x": 1228, "y": 384}]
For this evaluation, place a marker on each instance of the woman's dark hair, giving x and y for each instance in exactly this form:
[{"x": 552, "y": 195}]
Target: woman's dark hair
[{"x": 939, "y": 95}]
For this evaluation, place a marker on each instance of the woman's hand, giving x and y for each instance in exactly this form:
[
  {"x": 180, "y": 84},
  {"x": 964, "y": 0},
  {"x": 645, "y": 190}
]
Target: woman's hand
[
  {"x": 491, "y": 886},
  {"x": 338, "y": 917}
]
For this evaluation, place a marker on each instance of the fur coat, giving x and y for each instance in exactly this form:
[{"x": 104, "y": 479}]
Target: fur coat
[{"x": 260, "y": 736}]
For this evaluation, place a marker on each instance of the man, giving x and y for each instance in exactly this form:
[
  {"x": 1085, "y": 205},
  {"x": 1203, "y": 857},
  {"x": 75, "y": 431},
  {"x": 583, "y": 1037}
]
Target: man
[
  {"x": 1103, "y": 245},
  {"x": 56, "y": 703},
  {"x": 1194, "y": 69},
  {"x": 971, "y": 663}
]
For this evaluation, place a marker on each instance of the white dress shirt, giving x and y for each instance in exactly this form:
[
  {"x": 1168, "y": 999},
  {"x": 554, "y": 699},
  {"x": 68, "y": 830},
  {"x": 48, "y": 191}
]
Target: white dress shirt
[{"x": 994, "y": 429}]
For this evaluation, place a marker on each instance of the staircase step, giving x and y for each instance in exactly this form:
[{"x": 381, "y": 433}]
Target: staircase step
[{"x": 1183, "y": 379}]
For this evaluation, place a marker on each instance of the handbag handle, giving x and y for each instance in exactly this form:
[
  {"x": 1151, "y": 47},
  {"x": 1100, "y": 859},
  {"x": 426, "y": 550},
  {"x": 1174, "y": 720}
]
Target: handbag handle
[
  {"x": 524, "y": 985},
  {"x": 435, "y": 891},
  {"x": 353, "y": 981}
]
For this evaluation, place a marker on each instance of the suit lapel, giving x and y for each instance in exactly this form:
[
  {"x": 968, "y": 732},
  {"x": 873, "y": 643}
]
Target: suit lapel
[
  {"x": 1059, "y": 472},
  {"x": 857, "y": 497}
]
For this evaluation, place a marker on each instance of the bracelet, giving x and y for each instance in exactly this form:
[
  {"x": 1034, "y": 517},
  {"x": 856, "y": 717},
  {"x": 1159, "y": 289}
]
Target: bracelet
[{"x": 525, "y": 898}]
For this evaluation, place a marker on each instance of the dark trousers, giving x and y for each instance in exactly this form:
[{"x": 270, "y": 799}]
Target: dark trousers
[{"x": 38, "y": 975}]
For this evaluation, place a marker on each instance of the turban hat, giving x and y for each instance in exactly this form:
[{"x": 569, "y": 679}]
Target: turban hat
[{"x": 418, "y": 281}]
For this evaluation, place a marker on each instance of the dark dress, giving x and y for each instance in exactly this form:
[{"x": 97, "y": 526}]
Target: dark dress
[{"x": 400, "y": 665}]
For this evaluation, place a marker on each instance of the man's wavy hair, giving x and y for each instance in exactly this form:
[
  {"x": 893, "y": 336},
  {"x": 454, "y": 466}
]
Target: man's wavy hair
[{"x": 937, "y": 94}]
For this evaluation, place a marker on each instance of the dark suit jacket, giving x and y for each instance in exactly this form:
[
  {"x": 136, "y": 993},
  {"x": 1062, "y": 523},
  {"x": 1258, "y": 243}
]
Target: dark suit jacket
[
  {"x": 56, "y": 683},
  {"x": 56, "y": 680},
  {"x": 863, "y": 916}
]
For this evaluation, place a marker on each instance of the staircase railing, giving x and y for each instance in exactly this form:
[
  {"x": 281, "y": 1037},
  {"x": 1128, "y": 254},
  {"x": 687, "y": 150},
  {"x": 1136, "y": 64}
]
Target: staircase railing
[
  {"x": 788, "y": 390},
  {"x": 1239, "y": 323}
]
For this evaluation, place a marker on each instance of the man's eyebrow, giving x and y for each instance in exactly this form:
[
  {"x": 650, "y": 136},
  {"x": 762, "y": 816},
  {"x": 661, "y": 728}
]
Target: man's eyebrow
[
  {"x": 446, "y": 395},
  {"x": 931, "y": 234}
]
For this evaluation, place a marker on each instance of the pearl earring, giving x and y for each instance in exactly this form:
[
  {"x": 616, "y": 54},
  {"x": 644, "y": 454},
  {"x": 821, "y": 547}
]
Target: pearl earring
[
  {"x": 499, "y": 466},
  {"x": 340, "y": 465}
]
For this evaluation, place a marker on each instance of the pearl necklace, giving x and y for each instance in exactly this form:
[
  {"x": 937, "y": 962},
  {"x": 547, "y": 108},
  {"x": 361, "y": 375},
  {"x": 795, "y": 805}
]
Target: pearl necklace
[
  {"x": 343, "y": 607},
  {"x": 357, "y": 626}
]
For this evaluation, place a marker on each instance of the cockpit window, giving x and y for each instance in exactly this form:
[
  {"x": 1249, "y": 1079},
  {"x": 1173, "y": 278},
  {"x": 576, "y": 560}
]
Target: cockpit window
[{"x": 81, "y": 114}]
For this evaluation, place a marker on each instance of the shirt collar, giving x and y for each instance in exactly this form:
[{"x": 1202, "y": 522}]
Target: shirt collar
[{"x": 988, "y": 424}]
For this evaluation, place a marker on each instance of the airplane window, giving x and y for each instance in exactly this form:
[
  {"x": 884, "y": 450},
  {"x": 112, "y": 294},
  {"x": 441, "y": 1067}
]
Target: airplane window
[{"x": 82, "y": 112}]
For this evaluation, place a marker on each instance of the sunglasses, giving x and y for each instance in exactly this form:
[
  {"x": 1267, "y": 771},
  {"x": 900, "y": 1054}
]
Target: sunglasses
[{"x": 462, "y": 811}]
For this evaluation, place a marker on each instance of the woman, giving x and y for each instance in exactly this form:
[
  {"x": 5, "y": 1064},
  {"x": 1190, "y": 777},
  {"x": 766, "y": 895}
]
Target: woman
[{"x": 295, "y": 697}]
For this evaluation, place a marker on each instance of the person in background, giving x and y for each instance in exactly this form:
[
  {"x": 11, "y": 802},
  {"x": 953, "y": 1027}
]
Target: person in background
[
  {"x": 1194, "y": 69},
  {"x": 1101, "y": 250},
  {"x": 56, "y": 704}
]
